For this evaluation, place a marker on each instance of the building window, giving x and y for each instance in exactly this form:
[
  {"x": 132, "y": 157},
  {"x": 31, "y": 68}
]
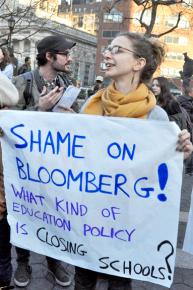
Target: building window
[
  {"x": 184, "y": 23},
  {"x": 102, "y": 66},
  {"x": 102, "y": 48},
  {"x": 80, "y": 21},
  {"x": 171, "y": 39},
  {"x": 27, "y": 45},
  {"x": 86, "y": 74},
  {"x": 109, "y": 33},
  {"x": 171, "y": 21},
  {"x": 174, "y": 56},
  {"x": 170, "y": 72},
  {"x": 187, "y": 3},
  {"x": 183, "y": 40},
  {"x": 146, "y": 17},
  {"x": 76, "y": 69},
  {"x": 114, "y": 17},
  {"x": 15, "y": 45},
  {"x": 176, "y": 40}
]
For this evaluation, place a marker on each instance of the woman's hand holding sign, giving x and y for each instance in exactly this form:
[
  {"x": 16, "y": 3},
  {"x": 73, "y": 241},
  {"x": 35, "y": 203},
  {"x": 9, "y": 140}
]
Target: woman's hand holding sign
[{"x": 184, "y": 144}]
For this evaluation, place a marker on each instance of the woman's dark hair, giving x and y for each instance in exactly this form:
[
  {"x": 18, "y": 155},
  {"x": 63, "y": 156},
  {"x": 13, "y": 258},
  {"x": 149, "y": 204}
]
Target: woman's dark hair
[
  {"x": 165, "y": 99},
  {"x": 150, "y": 49},
  {"x": 27, "y": 58},
  {"x": 6, "y": 60},
  {"x": 41, "y": 58}
]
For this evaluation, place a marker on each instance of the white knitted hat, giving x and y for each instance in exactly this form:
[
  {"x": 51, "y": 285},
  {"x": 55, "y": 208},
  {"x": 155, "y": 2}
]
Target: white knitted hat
[{"x": 8, "y": 92}]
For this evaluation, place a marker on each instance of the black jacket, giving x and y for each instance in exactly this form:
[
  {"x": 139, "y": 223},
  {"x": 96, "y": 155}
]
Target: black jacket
[
  {"x": 180, "y": 116},
  {"x": 187, "y": 103}
]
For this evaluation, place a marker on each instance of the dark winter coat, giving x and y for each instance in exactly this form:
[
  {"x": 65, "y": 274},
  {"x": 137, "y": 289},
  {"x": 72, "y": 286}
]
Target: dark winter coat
[
  {"x": 187, "y": 103},
  {"x": 181, "y": 117}
]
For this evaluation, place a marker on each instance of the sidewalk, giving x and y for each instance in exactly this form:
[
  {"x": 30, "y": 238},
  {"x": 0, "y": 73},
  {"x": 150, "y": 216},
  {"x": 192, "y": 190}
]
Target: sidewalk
[
  {"x": 183, "y": 277},
  {"x": 42, "y": 280}
]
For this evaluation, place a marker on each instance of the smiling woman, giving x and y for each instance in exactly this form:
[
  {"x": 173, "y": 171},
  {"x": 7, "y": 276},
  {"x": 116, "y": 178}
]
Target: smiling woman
[{"x": 130, "y": 60}]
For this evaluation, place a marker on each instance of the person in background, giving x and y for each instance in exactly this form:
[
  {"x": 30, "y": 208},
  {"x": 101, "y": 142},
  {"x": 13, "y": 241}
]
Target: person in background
[
  {"x": 130, "y": 59},
  {"x": 6, "y": 66},
  {"x": 41, "y": 88},
  {"x": 187, "y": 70},
  {"x": 98, "y": 85},
  {"x": 8, "y": 98},
  {"x": 40, "y": 91},
  {"x": 161, "y": 90},
  {"x": 26, "y": 66},
  {"x": 186, "y": 101},
  {"x": 176, "y": 113}
]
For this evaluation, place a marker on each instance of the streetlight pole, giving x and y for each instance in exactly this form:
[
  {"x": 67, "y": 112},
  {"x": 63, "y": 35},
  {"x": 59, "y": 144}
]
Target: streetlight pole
[{"x": 11, "y": 24}]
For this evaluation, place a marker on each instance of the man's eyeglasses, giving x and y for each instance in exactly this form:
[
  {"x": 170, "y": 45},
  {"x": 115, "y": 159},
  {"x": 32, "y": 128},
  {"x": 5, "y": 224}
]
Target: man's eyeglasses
[
  {"x": 115, "y": 49},
  {"x": 65, "y": 53}
]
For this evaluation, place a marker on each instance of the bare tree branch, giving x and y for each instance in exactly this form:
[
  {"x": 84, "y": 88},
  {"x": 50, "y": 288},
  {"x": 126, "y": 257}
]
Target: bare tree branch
[
  {"x": 153, "y": 18},
  {"x": 172, "y": 29},
  {"x": 24, "y": 19},
  {"x": 169, "y": 2},
  {"x": 2, "y": 3},
  {"x": 152, "y": 6},
  {"x": 142, "y": 23}
]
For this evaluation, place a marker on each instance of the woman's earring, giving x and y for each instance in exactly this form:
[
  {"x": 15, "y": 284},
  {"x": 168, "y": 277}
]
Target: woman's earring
[{"x": 132, "y": 80}]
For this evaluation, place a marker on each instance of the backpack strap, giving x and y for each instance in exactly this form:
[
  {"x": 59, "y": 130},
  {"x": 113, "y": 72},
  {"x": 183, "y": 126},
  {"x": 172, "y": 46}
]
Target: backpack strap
[
  {"x": 28, "y": 76},
  {"x": 66, "y": 80},
  {"x": 38, "y": 80}
]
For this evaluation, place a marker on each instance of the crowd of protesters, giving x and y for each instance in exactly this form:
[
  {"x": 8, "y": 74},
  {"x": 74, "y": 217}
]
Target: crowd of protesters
[{"x": 131, "y": 60}]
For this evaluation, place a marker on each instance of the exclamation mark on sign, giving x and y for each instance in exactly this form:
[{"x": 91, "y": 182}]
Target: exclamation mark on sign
[{"x": 163, "y": 178}]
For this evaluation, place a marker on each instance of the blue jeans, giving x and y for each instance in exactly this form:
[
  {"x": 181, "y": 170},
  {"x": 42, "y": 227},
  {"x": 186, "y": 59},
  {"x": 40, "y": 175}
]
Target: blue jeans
[{"x": 5, "y": 253}]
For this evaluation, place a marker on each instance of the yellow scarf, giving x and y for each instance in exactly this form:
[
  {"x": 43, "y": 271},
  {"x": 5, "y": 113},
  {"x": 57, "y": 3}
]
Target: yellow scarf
[{"x": 110, "y": 102}]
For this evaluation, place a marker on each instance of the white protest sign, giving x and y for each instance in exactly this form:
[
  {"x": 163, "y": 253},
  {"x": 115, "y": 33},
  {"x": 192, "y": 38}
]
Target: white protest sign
[
  {"x": 100, "y": 193},
  {"x": 68, "y": 98},
  {"x": 188, "y": 239}
]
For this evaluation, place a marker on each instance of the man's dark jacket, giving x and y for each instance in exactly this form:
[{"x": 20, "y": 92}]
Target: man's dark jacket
[{"x": 187, "y": 103}]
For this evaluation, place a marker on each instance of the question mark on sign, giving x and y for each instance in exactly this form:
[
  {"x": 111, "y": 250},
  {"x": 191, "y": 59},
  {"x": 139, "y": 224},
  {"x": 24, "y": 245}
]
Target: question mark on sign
[{"x": 168, "y": 256}]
